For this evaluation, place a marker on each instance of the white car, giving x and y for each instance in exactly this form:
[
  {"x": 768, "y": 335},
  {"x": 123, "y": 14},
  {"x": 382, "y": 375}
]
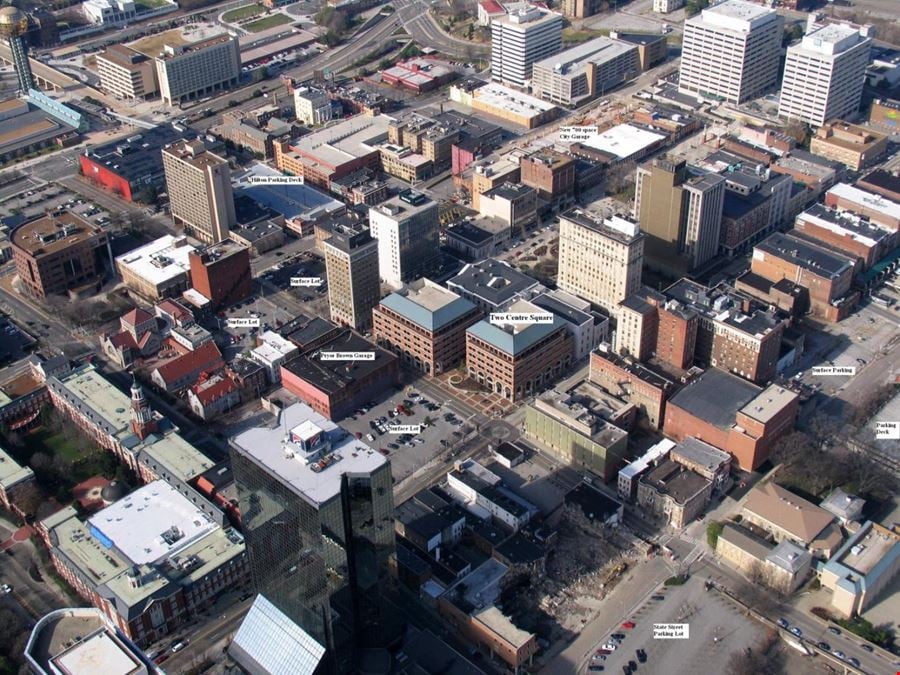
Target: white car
[
  {"x": 6, "y": 588},
  {"x": 611, "y": 646},
  {"x": 370, "y": 438}
]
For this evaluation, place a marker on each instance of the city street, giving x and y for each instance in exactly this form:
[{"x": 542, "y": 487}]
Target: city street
[{"x": 33, "y": 595}]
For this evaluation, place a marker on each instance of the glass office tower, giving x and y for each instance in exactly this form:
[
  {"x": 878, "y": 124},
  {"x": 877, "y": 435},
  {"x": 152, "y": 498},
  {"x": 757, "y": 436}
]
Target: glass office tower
[{"x": 317, "y": 512}]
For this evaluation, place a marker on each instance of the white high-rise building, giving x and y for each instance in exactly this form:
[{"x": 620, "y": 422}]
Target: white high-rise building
[
  {"x": 521, "y": 38},
  {"x": 824, "y": 73},
  {"x": 407, "y": 228},
  {"x": 731, "y": 51}
]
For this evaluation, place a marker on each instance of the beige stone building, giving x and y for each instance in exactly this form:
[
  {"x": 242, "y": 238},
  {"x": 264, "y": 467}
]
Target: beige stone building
[
  {"x": 855, "y": 145},
  {"x": 199, "y": 69},
  {"x": 784, "y": 567},
  {"x": 126, "y": 73},
  {"x": 351, "y": 263},
  {"x": 599, "y": 258},
  {"x": 788, "y": 517},
  {"x": 199, "y": 186}
]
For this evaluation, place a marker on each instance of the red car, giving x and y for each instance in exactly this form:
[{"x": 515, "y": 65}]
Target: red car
[
  {"x": 628, "y": 624},
  {"x": 603, "y": 652}
]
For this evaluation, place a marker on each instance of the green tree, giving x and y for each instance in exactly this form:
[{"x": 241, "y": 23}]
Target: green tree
[
  {"x": 695, "y": 7},
  {"x": 713, "y": 530}
]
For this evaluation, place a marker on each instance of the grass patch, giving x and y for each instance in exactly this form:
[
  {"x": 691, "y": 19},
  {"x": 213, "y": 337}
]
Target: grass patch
[
  {"x": 150, "y": 4},
  {"x": 677, "y": 580},
  {"x": 152, "y": 45},
  {"x": 59, "y": 444},
  {"x": 570, "y": 36},
  {"x": 242, "y": 13},
  {"x": 267, "y": 22}
]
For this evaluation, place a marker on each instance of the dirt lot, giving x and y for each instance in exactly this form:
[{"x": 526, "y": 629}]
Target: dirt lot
[{"x": 588, "y": 562}]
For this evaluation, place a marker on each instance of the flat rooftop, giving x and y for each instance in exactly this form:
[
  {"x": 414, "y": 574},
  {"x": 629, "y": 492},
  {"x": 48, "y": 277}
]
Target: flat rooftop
[
  {"x": 715, "y": 396},
  {"x": 152, "y": 523},
  {"x": 869, "y": 201},
  {"x": 346, "y": 141},
  {"x": 498, "y": 96},
  {"x": 675, "y": 481},
  {"x": 428, "y": 305},
  {"x": 100, "y": 652},
  {"x": 292, "y": 200},
  {"x": 867, "y": 550},
  {"x": 265, "y": 446},
  {"x": 138, "y": 157},
  {"x": 577, "y": 413},
  {"x": 624, "y": 141},
  {"x": 159, "y": 261},
  {"x": 575, "y": 60},
  {"x": 494, "y": 281},
  {"x": 497, "y": 622},
  {"x": 828, "y": 40},
  {"x": 844, "y": 224},
  {"x": 11, "y": 472},
  {"x": 194, "y": 153},
  {"x": 735, "y": 15},
  {"x": 192, "y": 47},
  {"x": 334, "y": 376},
  {"x": 616, "y": 228},
  {"x": 701, "y": 453},
  {"x": 818, "y": 260},
  {"x": 53, "y": 233}
]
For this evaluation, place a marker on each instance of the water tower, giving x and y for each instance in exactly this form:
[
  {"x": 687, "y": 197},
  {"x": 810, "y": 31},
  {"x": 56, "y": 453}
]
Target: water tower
[{"x": 13, "y": 26}]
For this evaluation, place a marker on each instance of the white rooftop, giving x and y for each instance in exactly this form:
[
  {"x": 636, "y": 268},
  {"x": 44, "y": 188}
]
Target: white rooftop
[
  {"x": 875, "y": 202},
  {"x": 830, "y": 39},
  {"x": 624, "y": 140},
  {"x": 160, "y": 260},
  {"x": 498, "y": 96},
  {"x": 345, "y": 141},
  {"x": 265, "y": 446},
  {"x": 639, "y": 465},
  {"x": 152, "y": 523},
  {"x": 98, "y": 653},
  {"x": 273, "y": 349},
  {"x": 11, "y": 472},
  {"x": 735, "y": 15}
]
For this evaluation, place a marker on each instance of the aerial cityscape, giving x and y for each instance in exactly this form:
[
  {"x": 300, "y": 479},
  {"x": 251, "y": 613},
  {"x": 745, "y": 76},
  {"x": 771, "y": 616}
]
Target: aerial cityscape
[{"x": 449, "y": 337}]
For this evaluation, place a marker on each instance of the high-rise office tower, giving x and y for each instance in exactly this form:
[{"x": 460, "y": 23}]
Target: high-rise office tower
[
  {"x": 731, "y": 51},
  {"x": 199, "y": 187},
  {"x": 317, "y": 512},
  {"x": 599, "y": 258},
  {"x": 824, "y": 73},
  {"x": 521, "y": 38},
  {"x": 407, "y": 228},
  {"x": 13, "y": 26},
  {"x": 680, "y": 212},
  {"x": 354, "y": 286}
]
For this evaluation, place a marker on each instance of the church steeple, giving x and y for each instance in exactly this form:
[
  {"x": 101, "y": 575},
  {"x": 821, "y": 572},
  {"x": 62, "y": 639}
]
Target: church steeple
[{"x": 142, "y": 422}]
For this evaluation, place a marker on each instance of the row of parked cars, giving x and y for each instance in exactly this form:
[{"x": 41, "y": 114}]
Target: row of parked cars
[{"x": 611, "y": 645}]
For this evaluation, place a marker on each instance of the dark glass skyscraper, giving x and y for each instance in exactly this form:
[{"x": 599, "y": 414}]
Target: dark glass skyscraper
[{"x": 317, "y": 512}]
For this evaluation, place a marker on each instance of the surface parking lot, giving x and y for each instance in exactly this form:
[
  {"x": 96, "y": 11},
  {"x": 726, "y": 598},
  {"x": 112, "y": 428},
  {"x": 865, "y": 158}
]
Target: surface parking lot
[
  {"x": 716, "y": 629},
  {"x": 425, "y": 445}
]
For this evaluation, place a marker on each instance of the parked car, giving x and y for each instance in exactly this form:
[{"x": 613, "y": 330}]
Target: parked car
[
  {"x": 6, "y": 588},
  {"x": 628, "y": 625},
  {"x": 596, "y": 667},
  {"x": 868, "y": 648},
  {"x": 835, "y": 630},
  {"x": 824, "y": 646},
  {"x": 641, "y": 655},
  {"x": 783, "y": 623},
  {"x": 796, "y": 631},
  {"x": 853, "y": 662},
  {"x": 838, "y": 654},
  {"x": 178, "y": 646}
]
